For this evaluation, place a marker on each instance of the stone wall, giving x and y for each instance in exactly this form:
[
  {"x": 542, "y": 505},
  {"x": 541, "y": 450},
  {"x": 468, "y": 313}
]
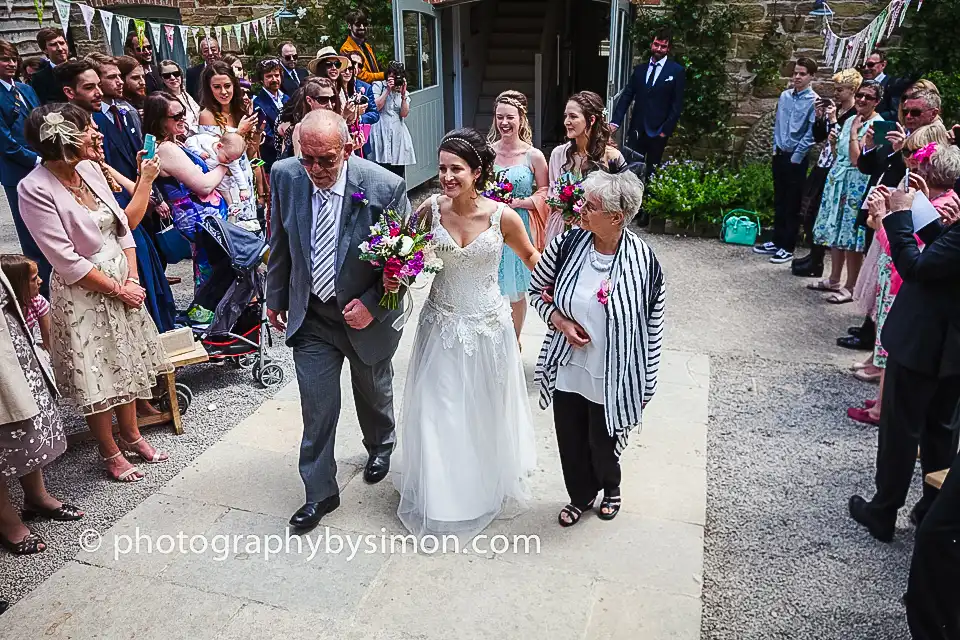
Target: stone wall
[{"x": 752, "y": 122}]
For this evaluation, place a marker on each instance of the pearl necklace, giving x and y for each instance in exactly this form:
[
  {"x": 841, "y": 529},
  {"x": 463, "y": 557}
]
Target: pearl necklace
[{"x": 597, "y": 263}]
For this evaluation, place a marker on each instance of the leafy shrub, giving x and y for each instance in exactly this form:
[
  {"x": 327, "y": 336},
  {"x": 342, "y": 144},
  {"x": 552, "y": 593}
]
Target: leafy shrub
[{"x": 756, "y": 190}]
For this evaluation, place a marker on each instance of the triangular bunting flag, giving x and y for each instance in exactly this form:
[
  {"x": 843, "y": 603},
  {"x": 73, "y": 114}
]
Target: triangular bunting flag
[
  {"x": 38, "y": 7},
  {"x": 87, "y": 11},
  {"x": 107, "y": 18},
  {"x": 903, "y": 12},
  {"x": 168, "y": 31},
  {"x": 184, "y": 34},
  {"x": 263, "y": 26},
  {"x": 9, "y": 8},
  {"x": 236, "y": 32},
  {"x": 196, "y": 38},
  {"x": 63, "y": 12},
  {"x": 219, "y": 32},
  {"x": 140, "y": 28},
  {"x": 245, "y": 27},
  {"x": 123, "y": 22},
  {"x": 256, "y": 28},
  {"x": 155, "y": 35}
]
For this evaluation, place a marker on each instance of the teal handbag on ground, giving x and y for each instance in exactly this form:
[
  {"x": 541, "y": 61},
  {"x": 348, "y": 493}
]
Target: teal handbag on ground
[{"x": 740, "y": 229}]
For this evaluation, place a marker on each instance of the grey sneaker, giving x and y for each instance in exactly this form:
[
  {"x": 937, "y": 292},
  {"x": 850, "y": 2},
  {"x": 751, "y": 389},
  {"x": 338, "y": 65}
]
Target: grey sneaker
[
  {"x": 781, "y": 256},
  {"x": 766, "y": 249}
]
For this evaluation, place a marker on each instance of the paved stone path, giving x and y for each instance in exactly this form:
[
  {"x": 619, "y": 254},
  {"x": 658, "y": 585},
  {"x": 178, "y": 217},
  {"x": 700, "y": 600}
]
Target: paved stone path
[{"x": 637, "y": 577}]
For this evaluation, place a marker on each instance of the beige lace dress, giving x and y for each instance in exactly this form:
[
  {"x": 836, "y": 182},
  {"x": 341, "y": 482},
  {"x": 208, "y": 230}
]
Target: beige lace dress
[{"x": 105, "y": 354}]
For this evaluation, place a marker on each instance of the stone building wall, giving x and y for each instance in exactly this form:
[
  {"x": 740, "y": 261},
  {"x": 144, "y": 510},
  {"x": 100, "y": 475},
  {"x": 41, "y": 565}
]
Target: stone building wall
[{"x": 752, "y": 122}]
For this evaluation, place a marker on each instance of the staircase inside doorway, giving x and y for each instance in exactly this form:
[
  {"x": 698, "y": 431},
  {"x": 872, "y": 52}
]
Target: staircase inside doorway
[{"x": 514, "y": 42}]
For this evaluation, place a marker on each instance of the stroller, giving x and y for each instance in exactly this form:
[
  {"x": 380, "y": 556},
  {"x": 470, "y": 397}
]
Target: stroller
[{"x": 235, "y": 294}]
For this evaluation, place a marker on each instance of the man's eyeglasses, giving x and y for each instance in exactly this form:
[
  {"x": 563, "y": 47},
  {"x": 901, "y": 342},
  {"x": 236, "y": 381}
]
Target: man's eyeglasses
[
  {"x": 291, "y": 58},
  {"x": 914, "y": 113},
  {"x": 146, "y": 47},
  {"x": 170, "y": 74},
  {"x": 870, "y": 65},
  {"x": 360, "y": 24},
  {"x": 866, "y": 96},
  {"x": 178, "y": 117},
  {"x": 324, "y": 163}
]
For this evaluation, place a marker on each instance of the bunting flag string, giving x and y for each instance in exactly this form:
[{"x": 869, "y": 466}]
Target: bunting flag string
[
  {"x": 846, "y": 52},
  {"x": 239, "y": 31}
]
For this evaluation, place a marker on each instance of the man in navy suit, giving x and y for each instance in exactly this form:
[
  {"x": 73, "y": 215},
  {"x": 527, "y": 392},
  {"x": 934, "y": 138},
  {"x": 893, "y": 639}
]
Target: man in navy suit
[
  {"x": 293, "y": 76},
  {"x": 118, "y": 122},
  {"x": 656, "y": 89},
  {"x": 269, "y": 102},
  {"x": 210, "y": 51},
  {"x": 54, "y": 47},
  {"x": 17, "y": 159}
]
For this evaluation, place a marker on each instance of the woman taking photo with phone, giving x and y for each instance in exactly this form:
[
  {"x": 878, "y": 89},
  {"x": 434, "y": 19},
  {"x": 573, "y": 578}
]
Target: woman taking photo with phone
[
  {"x": 390, "y": 138},
  {"x": 106, "y": 351}
]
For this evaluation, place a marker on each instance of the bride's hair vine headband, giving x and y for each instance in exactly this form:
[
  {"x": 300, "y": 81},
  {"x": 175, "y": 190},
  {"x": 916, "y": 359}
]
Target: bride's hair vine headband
[
  {"x": 56, "y": 126},
  {"x": 466, "y": 142}
]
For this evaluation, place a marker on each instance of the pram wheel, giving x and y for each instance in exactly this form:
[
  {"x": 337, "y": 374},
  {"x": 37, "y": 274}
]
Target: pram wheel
[
  {"x": 270, "y": 375},
  {"x": 184, "y": 399},
  {"x": 246, "y": 361}
]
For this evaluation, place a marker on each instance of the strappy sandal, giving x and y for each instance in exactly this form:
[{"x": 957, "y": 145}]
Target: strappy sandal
[
  {"x": 64, "y": 513},
  {"x": 127, "y": 447},
  {"x": 612, "y": 506},
  {"x": 125, "y": 476},
  {"x": 840, "y": 296},
  {"x": 573, "y": 512},
  {"x": 31, "y": 544},
  {"x": 824, "y": 285}
]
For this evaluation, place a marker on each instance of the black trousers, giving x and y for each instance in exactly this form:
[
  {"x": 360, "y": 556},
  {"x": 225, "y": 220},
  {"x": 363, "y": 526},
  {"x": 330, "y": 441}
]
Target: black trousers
[
  {"x": 788, "y": 181},
  {"x": 651, "y": 148},
  {"x": 933, "y": 590},
  {"x": 396, "y": 169},
  {"x": 587, "y": 452},
  {"x": 917, "y": 409},
  {"x": 812, "y": 195}
]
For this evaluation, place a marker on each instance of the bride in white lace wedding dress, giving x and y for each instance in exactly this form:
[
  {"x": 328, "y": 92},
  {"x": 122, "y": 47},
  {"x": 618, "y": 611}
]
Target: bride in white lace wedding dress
[{"x": 465, "y": 442}]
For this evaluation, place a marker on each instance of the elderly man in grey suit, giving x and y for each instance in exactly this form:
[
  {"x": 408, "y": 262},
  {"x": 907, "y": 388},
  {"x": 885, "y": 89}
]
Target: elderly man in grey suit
[{"x": 327, "y": 299}]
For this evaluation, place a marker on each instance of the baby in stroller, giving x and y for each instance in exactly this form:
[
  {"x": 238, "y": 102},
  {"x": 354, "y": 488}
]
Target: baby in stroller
[{"x": 235, "y": 188}]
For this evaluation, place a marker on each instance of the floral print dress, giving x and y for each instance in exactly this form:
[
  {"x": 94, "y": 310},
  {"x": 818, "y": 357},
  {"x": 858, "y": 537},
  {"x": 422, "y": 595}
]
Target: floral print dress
[
  {"x": 836, "y": 225},
  {"x": 105, "y": 354},
  {"x": 31, "y": 444}
]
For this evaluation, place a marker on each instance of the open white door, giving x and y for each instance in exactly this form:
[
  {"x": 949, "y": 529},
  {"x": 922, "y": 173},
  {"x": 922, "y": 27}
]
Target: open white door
[
  {"x": 416, "y": 27},
  {"x": 620, "y": 51}
]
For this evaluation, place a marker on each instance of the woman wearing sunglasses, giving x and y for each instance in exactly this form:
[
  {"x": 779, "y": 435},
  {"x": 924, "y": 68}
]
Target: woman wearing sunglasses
[
  {"x": 187, "y": 184},
  {"x": 172, "y": 75},
  {"x": 316, "y": 93},
  {"x": 836, "y": 226}
]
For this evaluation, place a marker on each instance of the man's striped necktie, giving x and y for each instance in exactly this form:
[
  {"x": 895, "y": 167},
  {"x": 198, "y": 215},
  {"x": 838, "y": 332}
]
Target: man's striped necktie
[{"x": 324, "y": 258}]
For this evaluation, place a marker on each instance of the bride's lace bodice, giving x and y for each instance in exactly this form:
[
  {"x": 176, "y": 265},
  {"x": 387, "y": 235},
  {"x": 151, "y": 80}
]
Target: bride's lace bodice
[{"x": 465, "y": 298}]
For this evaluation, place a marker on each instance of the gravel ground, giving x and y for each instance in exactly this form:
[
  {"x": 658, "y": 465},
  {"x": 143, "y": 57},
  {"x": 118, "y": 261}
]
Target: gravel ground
[{"x": 782, "y": 557}]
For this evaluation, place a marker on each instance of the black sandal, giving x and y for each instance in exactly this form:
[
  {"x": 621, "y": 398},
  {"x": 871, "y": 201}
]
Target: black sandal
[
  {"x": 30, "y": 545},
  {"x": 573, "y": 512},
  {"x": 65, "y": 513},
  {"x": 611, "y": 504}
]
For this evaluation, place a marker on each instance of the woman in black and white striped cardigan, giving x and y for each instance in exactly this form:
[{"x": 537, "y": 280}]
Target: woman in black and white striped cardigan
[{"x": 600, "y": 289}]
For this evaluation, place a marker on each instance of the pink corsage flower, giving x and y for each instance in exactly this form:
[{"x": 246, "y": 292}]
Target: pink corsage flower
[
  {"x": 603, "y": 293},
  {"x": 923, "y": 154}
]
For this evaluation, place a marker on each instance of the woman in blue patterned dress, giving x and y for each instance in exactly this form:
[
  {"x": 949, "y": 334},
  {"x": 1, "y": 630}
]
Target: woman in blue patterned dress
[
  {"x": 526, "y": 169},
  {"x": 836, "y": 226}
]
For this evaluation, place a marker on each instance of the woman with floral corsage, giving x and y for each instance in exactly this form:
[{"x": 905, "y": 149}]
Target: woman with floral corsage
[
  {"x": 600, "y": 288},
  {"x": 105, "y": 348}
]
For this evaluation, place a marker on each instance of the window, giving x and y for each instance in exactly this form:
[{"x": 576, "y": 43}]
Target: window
[{"x": 420, "y": 50}]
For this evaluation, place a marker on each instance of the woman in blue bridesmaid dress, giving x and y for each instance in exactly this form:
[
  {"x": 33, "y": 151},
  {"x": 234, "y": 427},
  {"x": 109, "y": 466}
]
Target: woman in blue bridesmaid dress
[{"x": 526, "y": 169}]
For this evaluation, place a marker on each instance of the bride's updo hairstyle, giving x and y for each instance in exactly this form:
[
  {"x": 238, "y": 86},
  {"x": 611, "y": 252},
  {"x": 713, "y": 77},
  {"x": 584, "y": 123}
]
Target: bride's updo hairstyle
[{"x": 470, "y": 146}]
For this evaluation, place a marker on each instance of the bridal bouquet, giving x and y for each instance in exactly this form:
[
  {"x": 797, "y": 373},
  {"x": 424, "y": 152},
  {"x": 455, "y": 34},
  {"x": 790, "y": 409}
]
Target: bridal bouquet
[
  {"x": 500, "y": 189},
  {"x": 567, "y": 197},
  {"x": 397, "y": 245}
]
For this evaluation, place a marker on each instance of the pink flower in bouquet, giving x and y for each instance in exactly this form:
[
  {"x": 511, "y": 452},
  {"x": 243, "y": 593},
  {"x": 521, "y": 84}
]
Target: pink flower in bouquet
[
  {"x": 393, "y": 267},
  {"x": 394, "y": 232},
  {"x": 568, "y": 191}
]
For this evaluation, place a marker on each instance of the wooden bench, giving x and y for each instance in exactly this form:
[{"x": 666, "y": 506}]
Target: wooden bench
[
  {"x": 167, "y": 384},
  {"x": 936, "y": 478}
]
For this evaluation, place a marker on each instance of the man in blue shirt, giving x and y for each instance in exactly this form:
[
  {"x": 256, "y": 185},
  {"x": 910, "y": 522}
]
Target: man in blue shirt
[{"x": 792, "y": 138}]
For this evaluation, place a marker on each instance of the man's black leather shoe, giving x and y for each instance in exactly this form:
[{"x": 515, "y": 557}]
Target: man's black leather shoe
[
  {"x": 861, "y": 512},
  {"x": 806, "y": 268},
  {"x": 853, "y": 331},
  {"x": 377, "y": 467},
  {"x": 855, "y": 342},
  {"x": 308, "y": 516}
]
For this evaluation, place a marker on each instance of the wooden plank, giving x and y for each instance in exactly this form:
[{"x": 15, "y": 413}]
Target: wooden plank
[
  {"x": 198, "y": 355},
  {"x": 936, "y": 478}
]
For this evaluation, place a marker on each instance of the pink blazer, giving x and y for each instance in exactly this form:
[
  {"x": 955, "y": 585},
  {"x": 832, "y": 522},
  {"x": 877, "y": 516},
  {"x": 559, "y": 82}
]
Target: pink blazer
[{"x": 64, "y": 230}]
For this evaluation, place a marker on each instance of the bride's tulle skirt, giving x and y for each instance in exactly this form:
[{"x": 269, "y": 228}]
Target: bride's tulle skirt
[{"x": 465, "y": 442}]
